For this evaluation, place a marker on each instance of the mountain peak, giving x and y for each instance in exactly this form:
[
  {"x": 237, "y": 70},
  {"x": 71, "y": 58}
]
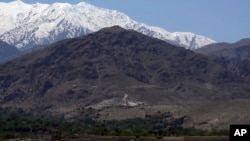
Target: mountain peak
[
  {"x": 87, "y": 72},
  {"x": 84, "y": 4},
  {"x": 93, "y": 66},
  {"x": 115, "y": 28},
  {"x": 18, "y": 3},
  {"x": 26, "y": 25}
]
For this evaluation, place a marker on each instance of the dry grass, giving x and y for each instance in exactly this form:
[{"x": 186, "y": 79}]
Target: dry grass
[
  {"x": 120, "y": 113},
  {"x": 219, "y": 115}
]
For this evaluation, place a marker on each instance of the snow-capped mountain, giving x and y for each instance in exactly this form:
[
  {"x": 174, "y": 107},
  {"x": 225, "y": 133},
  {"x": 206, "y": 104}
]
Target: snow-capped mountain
[{"x": 26, "y": 25}]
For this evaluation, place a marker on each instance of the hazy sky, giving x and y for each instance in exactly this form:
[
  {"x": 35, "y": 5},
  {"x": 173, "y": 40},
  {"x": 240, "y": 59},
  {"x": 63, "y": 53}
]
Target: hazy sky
[{"x": 221, "y": 20}]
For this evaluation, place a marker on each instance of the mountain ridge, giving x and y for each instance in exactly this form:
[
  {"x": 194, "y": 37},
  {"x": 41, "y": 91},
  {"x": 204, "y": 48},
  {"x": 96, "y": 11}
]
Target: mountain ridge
[
  {"x": 86, "y": 72},
  {"x": 38, "y": 24},
  {"x": 232, "y": 52},
  {"x": 115, "y": 72}
]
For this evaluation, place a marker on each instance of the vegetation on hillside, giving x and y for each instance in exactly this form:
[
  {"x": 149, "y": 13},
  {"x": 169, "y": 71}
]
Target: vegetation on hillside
[{"x": 14, "y": 125}]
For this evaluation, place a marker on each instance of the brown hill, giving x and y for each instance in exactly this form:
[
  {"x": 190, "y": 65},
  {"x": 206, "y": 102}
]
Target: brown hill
[
  {"x": 113, "y": 67},
  {"x": 235, "y": 57},
  {"x": 234, "y": 52},
  {"x": 219, "y": 115}
]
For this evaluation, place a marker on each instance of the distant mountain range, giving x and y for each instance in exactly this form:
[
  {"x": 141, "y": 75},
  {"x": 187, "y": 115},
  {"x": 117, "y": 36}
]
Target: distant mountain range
[
  {"x": 28, "y": 25},
  {"x": 115, "y": 67},
  {"x": 233, "y": 53}
]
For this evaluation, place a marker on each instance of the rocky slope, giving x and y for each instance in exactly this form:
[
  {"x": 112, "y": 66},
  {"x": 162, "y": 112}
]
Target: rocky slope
[
  {"x": 234, "y": 52},
  {"x": 114, "y": 67}
]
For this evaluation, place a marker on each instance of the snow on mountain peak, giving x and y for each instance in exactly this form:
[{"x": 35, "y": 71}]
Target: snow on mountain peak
[
  {"x": 17, "y": 2},
  {"x": 26, "y": 25},
  {"x": 191, "y": 40}
]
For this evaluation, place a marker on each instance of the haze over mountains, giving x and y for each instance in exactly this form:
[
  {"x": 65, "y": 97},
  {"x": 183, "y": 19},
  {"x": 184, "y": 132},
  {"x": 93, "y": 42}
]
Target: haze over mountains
[{"x": 27, "y": 25}]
